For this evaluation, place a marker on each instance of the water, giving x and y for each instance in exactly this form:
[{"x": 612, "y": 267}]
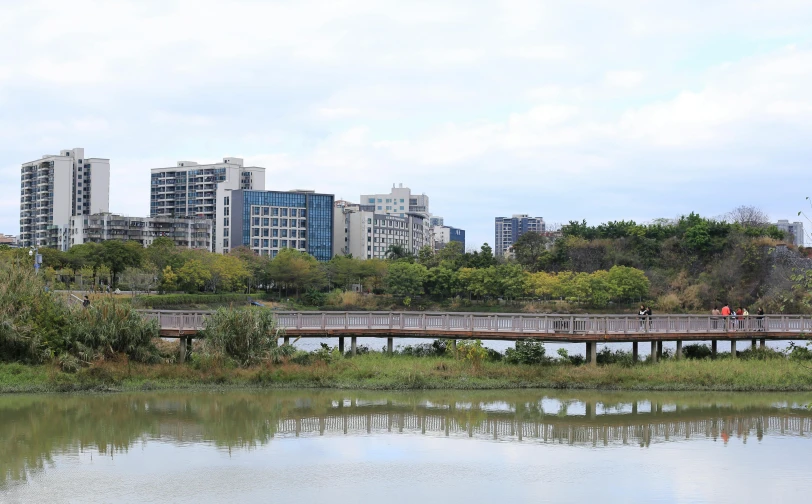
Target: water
[{"x": 450, "y": 446}]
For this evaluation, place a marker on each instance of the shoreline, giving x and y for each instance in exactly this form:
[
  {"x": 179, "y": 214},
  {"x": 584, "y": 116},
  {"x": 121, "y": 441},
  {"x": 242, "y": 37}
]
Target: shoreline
[{"x": 375, "y": 372}]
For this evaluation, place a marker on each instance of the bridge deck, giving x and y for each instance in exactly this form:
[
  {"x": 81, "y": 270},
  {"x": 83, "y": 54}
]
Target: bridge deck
[{"x": 563, "y": 328}]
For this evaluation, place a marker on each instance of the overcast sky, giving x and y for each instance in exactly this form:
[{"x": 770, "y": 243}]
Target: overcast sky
[{"x": 567, "y": 110}]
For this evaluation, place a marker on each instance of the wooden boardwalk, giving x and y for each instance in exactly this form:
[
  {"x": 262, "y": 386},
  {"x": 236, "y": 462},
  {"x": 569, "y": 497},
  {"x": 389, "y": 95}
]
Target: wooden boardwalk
[{"x": 590, "y": 329}]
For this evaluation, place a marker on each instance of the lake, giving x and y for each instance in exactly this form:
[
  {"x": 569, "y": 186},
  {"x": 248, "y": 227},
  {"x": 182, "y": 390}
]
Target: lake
[{"x": 337, "y": 446}]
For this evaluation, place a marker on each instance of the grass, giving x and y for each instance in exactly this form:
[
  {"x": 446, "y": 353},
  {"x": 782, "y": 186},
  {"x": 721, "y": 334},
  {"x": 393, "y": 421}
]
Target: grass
[{"x": 376, "y": 371}]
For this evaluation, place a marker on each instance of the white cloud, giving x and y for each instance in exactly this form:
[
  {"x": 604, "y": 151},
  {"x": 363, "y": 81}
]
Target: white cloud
[{"x": 624, "y": 78}]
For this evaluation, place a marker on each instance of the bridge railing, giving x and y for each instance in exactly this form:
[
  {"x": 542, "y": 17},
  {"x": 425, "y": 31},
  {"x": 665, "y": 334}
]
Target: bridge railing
[{"x": 507, "y": 323}]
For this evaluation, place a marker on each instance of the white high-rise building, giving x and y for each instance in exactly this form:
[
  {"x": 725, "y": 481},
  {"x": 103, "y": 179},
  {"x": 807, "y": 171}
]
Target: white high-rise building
[
  {"x": 190, "y": 189},
  {"x": 507, "y": 230},
  {"x": 794, "y": 229},
  {"x": 366, "y": 233},
  {"x": 400, "y": 201},
  {"x": 57, "y": 187}
]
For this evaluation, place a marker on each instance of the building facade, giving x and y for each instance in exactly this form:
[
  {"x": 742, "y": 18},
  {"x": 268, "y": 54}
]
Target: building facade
[
  {"x": 269, "y": 221},
  {"x": 509, "y": 229},
  {"x": 444, "y": 235},
  {"x": 188, "y": 232},
  {"x": 190, "y": 189},
  {"x": 8, "y": 241},
  {"x": 793, "y": 229},
  {"x": 400, "y": 201},
  {"x": 57, "y": 187},
  {"x": 365, "y": 233}
]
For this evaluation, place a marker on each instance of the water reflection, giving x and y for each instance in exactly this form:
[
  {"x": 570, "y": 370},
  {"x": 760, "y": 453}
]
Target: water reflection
[{"x": 33, "y": 429}]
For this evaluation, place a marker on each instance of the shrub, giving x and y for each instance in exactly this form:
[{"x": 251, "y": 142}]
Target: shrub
[
  {"x": 248, "y": 335},
  {"x": 436, "y": 348},
  {"x": 697, "y": 351},
  {"x": 527, "y": 352},
  {"x": 620, "y": 357}
]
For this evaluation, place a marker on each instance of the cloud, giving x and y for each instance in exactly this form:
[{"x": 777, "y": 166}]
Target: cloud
[{"x": 623, "y": 110}]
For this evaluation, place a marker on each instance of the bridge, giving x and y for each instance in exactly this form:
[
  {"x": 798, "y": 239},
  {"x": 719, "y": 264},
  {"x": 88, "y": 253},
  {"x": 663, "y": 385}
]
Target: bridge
[{"x": 590, "y": 329}]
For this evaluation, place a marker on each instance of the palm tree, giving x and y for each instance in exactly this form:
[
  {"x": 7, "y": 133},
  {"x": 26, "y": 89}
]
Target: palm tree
[{"x": 396, "y": 251}]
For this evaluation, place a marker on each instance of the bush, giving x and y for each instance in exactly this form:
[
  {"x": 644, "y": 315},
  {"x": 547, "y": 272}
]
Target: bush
[
  {"x": 801, "y": 353},
  {"x": 620, "y": 357},
  {"x": 437, "y": 348},
  {"x": 169, "y": 301},
  {"x": 697, "y": 351},
  {"x": 247, "y": 335},
  {"x": 527, "y": 352}
]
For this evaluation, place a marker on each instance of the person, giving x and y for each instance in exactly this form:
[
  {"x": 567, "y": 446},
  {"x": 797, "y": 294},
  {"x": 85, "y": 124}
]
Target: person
[
  {"x": 746, "y": 315},
  {"x": 648, "y": 315},
  {"x": 715, "y": 317},
  {"x": 739, "y": 318},
  {"x": 760, "y": 318},
  {"x": 86, "y": 302},
  {"x": 642, "y": 314},
  {"x": 726, "y": 313}
]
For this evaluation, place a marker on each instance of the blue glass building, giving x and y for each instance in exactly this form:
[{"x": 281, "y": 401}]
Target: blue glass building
[{"x": 269, "y": 221}]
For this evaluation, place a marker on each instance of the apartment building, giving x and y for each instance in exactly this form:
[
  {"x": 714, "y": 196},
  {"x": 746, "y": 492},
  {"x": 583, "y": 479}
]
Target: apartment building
[
  {"x": 365, "y": 233},
  {"x": 269, "y": 221},
  {"x": 793, "y": 229},
  {"x": 188, "y": 232},
  {"x": 57, "y": 187},
  {"x": 509, "y": 229}
]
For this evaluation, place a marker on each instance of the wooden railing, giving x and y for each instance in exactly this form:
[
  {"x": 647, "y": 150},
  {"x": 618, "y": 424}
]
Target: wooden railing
[{"x": 411, "y": 322}]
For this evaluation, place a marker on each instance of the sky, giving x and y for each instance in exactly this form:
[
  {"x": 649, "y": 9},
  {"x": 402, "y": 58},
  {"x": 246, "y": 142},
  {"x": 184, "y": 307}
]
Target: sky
[{"x": 599, "y": 110}]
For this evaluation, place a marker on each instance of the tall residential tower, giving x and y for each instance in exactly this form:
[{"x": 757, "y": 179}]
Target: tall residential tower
[
  {"x": 57, "y": 187},
  {"x": 509, "y": 229}
]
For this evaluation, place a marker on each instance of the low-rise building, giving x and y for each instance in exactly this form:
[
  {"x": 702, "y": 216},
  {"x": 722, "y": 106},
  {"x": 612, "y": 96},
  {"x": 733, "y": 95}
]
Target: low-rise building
[
  {"x": 400, "y": 201},
  {"x": 7, "y": 240},
  {"x": 269, "y": 221},
  {"x": 189, "y": 232},
  {"x": 444, "y": 235}
]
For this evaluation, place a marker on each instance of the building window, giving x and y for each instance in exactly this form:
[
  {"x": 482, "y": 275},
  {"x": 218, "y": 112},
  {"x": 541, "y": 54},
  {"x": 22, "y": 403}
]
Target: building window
[
  {"x": 266, "y": 222},
  {"x": 275, "y": 232},
  {"x": 284, "y": 233},
  {"x": 266, "y": 210},
  {"x": 275, "y": 243},
  {"x": 293, "y": 212},
  {"x": 274, "y": 222},
  {"x": 284, "y": 223},
  {"x": 284, "y": 243},
  {"x": 275, "y": 211}
]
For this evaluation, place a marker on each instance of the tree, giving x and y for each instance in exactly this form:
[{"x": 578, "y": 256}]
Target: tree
[
  {"x": 405, "y": 279},
  {"x": 397, "y": 252},
  {"x": 118, "y": 256},
  {"x": 441, "y": 282},
  {"x": 193, "y": 275},
  {"x": 529, "y": 250},
  {"x": 628, "y": 283},
  {"x": 298, "y": 269},
  {"x": 748, "y": 216}
]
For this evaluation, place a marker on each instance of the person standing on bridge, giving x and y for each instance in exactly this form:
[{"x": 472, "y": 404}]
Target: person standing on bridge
[
  {"x": 648, "y": 315},
  {"x": 715, "y": 317},
  {"x": 760, "y": 318},
  {"x": 726, "y": 313},
  {"x": 642, "y": 315},
  {"x": 739, "y": 318}
]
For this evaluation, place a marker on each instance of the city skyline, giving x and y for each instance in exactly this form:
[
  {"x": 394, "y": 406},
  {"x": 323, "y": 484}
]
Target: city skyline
[{"x": 494, "y": 110}]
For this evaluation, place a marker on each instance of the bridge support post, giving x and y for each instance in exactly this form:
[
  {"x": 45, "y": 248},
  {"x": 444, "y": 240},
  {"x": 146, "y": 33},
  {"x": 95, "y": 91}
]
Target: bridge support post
[
  {"x": 762, "y": 343},
  {"x": 634, "y": 352},
  {"x": 341, "y": 345},
  {"x": 454, "y": 347},
  {"x": 733, "y": 348},
  {"x": 189, "y": 346},
  {"x": 592, "y": 353},
  {"x": 182, "y": 349},
  {"x": 653, "y": 351},
  {"x": 659, "y": 350},
  {"x": 353, "y": 345},
  {"x": 753, "y": 344},
  {"x": 389, "y": 345},
  {"x": 713, "y": 348},
  {"x": 678, "y": 355},
  {"x": 286, "y": 341}
]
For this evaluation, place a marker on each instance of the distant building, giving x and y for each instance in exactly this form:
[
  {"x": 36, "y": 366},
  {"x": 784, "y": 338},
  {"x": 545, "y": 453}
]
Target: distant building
[
  {"x": 269, "y": 221},
  {"x": 189, "y": 232},
  {"x": 190, "y": 189},
  {"x": 400, "y": 201},
  {"x": 436, "y": 221},
  {"x": 509, "y": 229},
  {"x": 794, "y": 229},
  {"x": 444, "y": 235},
  {"x": 57, "y": 187},
  {"x": 7, "y": 240},
  {"x": 366, "y": 233}
]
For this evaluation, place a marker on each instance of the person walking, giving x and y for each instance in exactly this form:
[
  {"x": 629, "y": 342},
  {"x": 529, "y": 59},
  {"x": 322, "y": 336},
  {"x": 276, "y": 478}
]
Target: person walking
[
  {"x": 86, "y": 302},
  {"x": 760, "y": 318},
  {"x": 715, "y": 313}
]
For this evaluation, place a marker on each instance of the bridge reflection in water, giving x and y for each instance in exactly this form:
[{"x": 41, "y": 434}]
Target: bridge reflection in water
[{"x": 35, "y": 429}]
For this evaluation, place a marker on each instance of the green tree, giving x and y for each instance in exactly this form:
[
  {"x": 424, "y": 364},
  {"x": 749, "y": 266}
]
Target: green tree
[
  {"x": 628, "y": 283},
  {"x": 118, "y": 256},
  {"x": 405, "y": 279},
  {"x": 193, "y": 275},
  {"x": 441, "y": 282},
  {"x": 530, "y": 249}
]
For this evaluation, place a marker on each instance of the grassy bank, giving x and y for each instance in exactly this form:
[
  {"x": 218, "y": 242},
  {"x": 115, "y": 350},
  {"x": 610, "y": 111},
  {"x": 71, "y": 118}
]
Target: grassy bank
[{"x": 379, "y": 372}]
